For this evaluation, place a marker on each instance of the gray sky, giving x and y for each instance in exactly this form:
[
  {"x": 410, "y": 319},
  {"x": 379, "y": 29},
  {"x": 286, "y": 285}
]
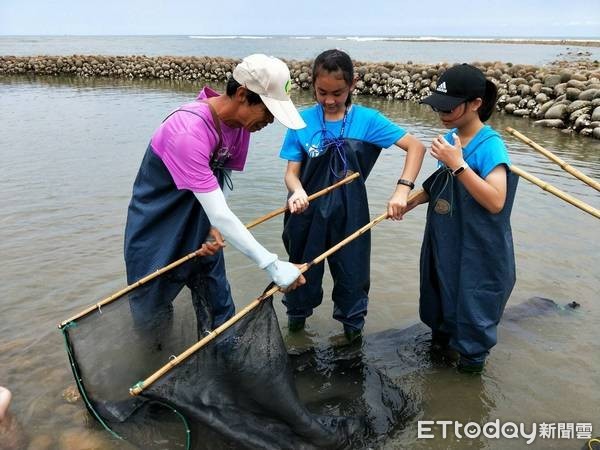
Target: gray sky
[{"x": 543, "y": 18}]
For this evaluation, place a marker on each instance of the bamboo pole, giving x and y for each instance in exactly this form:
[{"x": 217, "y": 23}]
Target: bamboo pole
[
  {"x": 129, "y": 288},
  {"x": 552, "y": 157},
  {"x": 175, "y": 361},
  {"x": 560, "y": 194},
  {"x": 196, "y": 253},
  {"x": 283, "y": 209}
]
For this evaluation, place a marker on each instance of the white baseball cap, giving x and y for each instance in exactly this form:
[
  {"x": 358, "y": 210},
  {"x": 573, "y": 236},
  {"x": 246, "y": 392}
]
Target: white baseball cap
[{"x": 269, "y": 77}]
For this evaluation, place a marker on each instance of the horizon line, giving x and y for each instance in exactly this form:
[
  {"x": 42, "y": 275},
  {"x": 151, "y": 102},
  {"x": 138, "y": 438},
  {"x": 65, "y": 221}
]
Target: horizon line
[{"x": 431, "y": 36}]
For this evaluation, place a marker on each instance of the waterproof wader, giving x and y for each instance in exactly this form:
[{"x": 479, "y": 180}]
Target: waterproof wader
[
  {"x": 467, "y": 266},
  {"x": 163, "y": 225},
  {"x": 327, "y": 221}
]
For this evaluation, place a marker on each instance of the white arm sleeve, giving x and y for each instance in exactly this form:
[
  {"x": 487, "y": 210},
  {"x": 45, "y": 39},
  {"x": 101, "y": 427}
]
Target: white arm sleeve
[{"x": 232, "y": 229}]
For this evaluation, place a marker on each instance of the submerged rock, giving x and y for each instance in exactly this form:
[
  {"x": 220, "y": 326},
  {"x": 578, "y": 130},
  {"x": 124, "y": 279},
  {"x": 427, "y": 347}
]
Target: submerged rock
[
  {"x": 80, "y": 439},
  {"x": 71, "y": 394},
  {"x": 550, "y": 123}
]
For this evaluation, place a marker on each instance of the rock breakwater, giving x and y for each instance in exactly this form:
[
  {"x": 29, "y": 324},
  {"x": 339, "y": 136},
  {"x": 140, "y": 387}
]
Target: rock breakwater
[{"x": 563, "y": 95}]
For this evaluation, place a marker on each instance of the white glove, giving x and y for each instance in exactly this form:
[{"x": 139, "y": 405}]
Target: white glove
[{"x": 282, "y": 273}]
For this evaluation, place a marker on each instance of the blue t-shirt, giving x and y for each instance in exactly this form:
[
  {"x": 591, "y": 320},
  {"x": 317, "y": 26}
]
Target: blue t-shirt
[
  {"x": 484, "y": 152},
  {"x": 362, "y": 123}
]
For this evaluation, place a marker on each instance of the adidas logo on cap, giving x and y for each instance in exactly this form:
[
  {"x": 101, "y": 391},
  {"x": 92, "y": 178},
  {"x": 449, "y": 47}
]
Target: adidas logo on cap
[{"x": 442, "y": 88}]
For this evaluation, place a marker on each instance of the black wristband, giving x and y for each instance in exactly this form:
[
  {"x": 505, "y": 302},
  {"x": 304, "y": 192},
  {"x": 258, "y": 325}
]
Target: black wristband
[{"x": 408, "y": 183}]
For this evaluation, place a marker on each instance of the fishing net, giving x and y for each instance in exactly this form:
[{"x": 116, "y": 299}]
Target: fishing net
[{"x": 238, "y": 391}]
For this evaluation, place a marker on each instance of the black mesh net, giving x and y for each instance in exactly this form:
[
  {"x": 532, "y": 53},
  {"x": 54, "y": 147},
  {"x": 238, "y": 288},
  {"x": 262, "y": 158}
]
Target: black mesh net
[{"x": 241, "y": 390}]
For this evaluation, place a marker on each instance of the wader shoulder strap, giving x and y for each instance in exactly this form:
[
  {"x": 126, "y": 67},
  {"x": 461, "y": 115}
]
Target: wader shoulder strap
[
  {"x": 215, "y": 118},
  {"x": 217, "y": 122}
]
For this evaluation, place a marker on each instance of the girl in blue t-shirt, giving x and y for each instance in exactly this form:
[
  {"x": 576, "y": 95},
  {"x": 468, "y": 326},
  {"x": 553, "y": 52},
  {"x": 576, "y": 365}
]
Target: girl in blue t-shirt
[
  {"x": 340, "y": 137},
  {"x": 467, "y": 258}
]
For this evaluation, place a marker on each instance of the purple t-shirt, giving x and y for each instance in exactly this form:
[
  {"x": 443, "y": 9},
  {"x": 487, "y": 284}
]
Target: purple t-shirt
[{"x": 186, "y": 142}]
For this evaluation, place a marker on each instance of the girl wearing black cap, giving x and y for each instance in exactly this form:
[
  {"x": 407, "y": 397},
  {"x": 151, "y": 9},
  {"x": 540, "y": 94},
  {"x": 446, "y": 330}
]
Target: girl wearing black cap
[{"x": 467, "y": 258}]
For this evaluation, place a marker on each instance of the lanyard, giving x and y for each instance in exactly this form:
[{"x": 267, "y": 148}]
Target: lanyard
[
  {"x": 338, "y": 164},
  {"x": 324, "y": 130}
]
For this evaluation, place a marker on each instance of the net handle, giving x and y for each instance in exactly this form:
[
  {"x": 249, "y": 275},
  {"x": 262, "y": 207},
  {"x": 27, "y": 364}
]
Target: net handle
[
  {"x": 555, "y": 191},
  {"x": 142, "y": 385},
  {"x": 157, "y": 273},
  {"x": 557, "y": 160}
]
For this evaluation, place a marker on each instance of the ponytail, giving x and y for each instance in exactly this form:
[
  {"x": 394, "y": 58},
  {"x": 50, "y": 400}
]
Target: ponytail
[{"x": 488, "y": 101}]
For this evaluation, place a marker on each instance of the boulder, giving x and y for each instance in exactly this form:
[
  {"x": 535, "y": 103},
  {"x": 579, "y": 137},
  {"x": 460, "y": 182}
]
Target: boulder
[
  {"x": 556, "y": 112},
  {"x": 536, "y": 88},
  {"x": 524, "y": 89},
  {"x": 586, "y": 131},
  {"x": 578, "y": 104},
  {"x": 547, "y": 90},
  {"x": 573, "y": 93},
  {"x": 552, "y": 80},
  {"x": 579, "y": 77},
  {"x": 575, "y": 114},
  {"x": 576, "y": 84},
  {"x": 560, "y": 89},
  {"x": 565, "y": 75},
  {"x": 582, "y": 121},
  {"x": 589, "y": 94},
  {"x": 521, "y": 112},
  {"x": 544, "y": 108}
]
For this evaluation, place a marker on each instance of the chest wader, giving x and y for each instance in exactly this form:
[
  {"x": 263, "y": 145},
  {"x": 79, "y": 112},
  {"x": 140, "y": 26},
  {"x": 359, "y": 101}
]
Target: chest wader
[
  {"x": 467, "y": 265},
  {"x": 326, "y": 221},
  {"x": 163, "y": 225}
]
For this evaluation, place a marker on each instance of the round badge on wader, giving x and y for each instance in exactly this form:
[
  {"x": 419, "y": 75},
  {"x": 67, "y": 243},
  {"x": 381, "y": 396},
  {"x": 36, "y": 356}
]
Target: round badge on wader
[{"x": 442, "y": 206}]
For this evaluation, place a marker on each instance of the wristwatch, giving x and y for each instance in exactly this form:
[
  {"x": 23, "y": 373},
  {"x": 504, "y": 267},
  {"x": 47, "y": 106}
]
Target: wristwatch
[
  {"x": 460, "y": 169},
  {"x": 408, "y": 183}
]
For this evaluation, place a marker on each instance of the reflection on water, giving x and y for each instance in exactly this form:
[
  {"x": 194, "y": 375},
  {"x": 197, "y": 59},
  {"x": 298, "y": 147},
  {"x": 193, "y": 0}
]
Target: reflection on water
[{"x": 70, "y": 151}]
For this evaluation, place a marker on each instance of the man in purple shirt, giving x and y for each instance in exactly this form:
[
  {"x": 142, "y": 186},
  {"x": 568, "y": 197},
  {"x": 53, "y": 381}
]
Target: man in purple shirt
[{"x": 179, "y": 196}]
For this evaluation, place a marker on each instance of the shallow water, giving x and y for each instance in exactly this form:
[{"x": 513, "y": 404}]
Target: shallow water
[{"x": 70, "y": 151}]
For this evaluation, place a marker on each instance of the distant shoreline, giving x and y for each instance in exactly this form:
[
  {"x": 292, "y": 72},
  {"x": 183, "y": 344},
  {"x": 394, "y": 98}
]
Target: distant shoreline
[
  {"x": 572, "y": 42},
  {"x": 430, "y": 39}
]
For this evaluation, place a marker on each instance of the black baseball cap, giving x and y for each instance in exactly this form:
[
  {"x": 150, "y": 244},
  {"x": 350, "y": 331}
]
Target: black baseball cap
[{"x": 457, "y": 85}]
